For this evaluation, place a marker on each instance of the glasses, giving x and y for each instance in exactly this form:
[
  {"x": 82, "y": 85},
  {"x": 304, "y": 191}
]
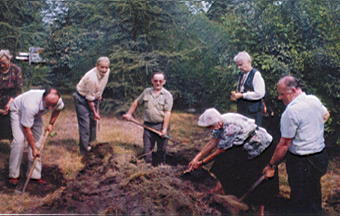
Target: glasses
[{"x": 158, "y": 81}]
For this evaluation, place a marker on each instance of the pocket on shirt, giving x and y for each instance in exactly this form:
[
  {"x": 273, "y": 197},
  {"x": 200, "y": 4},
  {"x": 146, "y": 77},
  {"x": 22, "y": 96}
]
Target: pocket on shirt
[
  {"x": 161, "y": 105},
  {"x": 146, "y": 101}
]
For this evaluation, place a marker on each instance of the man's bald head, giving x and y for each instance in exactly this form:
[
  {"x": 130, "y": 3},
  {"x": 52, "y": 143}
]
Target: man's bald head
[
  {"x": 289, "y": 82},
  {"x": 288, "y": 89},
  {"x": 51, "y": 97}
]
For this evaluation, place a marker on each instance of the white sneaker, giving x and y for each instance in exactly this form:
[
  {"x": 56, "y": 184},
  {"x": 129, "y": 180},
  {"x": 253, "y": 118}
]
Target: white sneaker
[{"x": 89, "y": 148}]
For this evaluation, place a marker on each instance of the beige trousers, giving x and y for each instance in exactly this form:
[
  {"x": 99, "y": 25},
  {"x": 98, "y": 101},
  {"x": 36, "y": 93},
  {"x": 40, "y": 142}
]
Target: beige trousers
[{"x": 18, "y": 146}]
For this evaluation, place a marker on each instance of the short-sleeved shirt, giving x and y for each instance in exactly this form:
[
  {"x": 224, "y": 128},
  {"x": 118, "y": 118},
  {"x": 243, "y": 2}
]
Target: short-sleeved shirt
[
  {"x": 303, "y": 121},
  {"x": 239, "y": 130},
  {"x": 155, "y": 106},
  {"x": 31, "y": 107},
  {"x": 92, "y": 84}
]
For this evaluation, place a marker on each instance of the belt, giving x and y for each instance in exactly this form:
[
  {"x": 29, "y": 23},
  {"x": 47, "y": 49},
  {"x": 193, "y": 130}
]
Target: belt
[
  {"x": 79, "y": 94},
  {"x": 307, "y": 155},
  {"x": 153, "y": 123}
]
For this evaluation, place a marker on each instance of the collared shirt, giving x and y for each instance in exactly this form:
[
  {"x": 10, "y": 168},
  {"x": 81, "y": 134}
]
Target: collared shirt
[
  {"x": 155, "y": 106},
  {"x": 31, "y": 107},
  {"x": 92, "y": 84},
  {"x": 259, "y": 87},
  {"x": 303, "y": 121},
  {"x": 240, "y": 130}
]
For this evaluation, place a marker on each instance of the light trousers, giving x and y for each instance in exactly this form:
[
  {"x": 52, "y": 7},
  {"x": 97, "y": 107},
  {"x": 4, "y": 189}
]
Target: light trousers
[{"x": 18, "y": 146}]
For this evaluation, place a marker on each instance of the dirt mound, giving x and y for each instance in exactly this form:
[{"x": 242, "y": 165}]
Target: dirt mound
[{"x": 123, "y": 185}]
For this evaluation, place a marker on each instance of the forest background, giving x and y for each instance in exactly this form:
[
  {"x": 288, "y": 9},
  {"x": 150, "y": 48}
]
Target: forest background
[{"x": 192, "y": 41}]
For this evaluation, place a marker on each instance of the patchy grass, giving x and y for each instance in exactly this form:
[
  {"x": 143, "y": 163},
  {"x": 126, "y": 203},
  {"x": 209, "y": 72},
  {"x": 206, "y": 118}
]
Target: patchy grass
[{"x": 62, "y": 153}]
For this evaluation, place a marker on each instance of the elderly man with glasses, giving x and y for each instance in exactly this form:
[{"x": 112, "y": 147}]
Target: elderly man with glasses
[{"x": 157, "y": 103}]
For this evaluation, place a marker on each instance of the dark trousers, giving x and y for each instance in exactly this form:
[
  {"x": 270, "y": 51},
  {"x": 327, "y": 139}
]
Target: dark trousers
[
  {"x": 256, "y": 116},
  {"x": 150, "y": 139},
  {"x": 237, "y": 174},
  {"x": 5, "y": 127},
  {"x": 255, "y": 113},
  {"x": 304, "y": 173},
  {"x": 86, "y": 124}
]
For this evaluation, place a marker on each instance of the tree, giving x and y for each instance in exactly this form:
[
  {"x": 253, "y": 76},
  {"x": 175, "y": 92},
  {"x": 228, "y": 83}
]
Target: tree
[{"x": 21, "y": 24}]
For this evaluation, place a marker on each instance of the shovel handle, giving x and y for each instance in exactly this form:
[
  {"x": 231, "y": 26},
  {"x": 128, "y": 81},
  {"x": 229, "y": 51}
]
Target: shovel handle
[
  {"x": 146, "y": 127},
  {"x": 35, "y": 161},
  {"x": 258, "y": 181},
  {"x": 154, "y": 130}
]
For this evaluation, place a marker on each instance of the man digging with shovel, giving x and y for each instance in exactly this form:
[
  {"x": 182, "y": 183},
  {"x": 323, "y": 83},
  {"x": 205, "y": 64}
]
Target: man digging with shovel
[
  {"x": 157, "y": 103},
  {"x": 86, "y": 100},
  {"x": 239, "y": 144},
  {"x": 26, "y": 122}
]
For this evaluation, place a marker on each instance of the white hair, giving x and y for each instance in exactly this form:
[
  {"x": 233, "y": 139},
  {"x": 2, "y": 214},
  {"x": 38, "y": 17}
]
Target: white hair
[
  {"x": 242, "y": 56},
  {"x": 5, "y": 53},
  {"x": 209, "y": 117},
  {"x": 103, "y": 59}
]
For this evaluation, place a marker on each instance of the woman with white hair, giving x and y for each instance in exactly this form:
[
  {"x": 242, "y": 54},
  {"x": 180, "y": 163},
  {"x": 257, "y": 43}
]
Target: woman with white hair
[
  {"x": 250, "y": 89},
  {"x": 10, "y": 86},
  {"x": 236, "y": 146}
]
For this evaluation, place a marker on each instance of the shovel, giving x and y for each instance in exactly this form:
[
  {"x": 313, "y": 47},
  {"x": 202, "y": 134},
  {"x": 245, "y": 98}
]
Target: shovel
[
  {"x": 155, "y": 131},
  {"x": 232, "y": 201},
  {"x": 34, "y": 162}
]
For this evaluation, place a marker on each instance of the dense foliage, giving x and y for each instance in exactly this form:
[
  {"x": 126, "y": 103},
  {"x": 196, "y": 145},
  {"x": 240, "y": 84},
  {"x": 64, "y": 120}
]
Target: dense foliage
[{"x": 194, "y": 46}]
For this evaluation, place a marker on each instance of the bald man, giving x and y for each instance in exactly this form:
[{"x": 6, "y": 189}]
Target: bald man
[
  {"x": 302, "y": 141},
  {"x": 26, "y": 122}
]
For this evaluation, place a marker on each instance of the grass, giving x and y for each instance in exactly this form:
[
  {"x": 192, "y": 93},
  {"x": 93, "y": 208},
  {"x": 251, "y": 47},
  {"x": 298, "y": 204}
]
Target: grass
[{"x": 126, "y": 139}]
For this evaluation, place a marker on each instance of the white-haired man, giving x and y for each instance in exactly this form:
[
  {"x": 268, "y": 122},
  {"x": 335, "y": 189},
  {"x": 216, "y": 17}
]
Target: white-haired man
[
  {"x": 11, "y": 83},
  {"x": 237, "y": 146},
  {"x": 250, "y": 89},
  {"x": 89, "y": 92}
]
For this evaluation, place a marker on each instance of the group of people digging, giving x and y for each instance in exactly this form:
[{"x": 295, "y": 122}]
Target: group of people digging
[{"x": 238, "y": 144}]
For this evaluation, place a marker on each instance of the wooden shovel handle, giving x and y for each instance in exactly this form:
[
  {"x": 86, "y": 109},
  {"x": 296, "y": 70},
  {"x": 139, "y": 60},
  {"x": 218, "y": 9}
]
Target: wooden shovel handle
[{"x": 35, "y": 161}]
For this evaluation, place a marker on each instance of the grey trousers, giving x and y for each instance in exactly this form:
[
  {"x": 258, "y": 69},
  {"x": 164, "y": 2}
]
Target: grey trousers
[
  {"x": 86, "y": 124},
  {"x": 18, "y": 145},
  {"x": 150, "y": 139}
]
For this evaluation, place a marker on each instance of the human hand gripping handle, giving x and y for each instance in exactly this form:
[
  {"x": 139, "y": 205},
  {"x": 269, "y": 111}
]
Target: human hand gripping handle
[
  {"x": 194, "y": 164},
  {"x": 269, "y": 171}
]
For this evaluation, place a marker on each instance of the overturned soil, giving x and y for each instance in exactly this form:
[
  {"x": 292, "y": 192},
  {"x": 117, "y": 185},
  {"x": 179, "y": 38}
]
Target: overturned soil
[{"x": 124, "y": 185}]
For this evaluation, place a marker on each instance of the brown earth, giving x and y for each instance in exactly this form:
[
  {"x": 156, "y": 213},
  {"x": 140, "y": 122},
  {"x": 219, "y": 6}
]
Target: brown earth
[{"x": 113, "y": 180}]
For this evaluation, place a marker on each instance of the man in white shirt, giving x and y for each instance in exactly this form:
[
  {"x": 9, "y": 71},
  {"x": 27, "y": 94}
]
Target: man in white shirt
[
  {"x": 89, "y": 92},
  {"x": 250, "y": 89},
  {"x": 26, "y": 122},
  {"x": 302, "y": 135}
]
